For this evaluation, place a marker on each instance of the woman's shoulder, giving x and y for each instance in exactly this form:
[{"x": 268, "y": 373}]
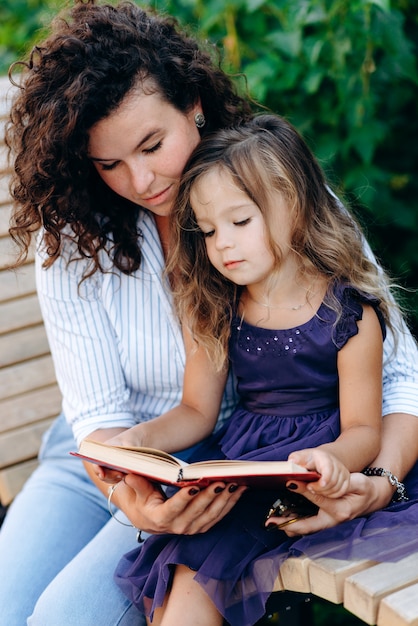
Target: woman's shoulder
[{"x": 70, "y": 265}]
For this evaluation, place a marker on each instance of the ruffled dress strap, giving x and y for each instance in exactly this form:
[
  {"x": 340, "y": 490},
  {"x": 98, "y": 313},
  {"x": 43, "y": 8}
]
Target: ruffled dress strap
[{"x": 352, "y": 301}]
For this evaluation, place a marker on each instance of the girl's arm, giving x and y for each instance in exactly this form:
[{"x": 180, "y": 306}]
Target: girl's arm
[
  {"x": 360, "y": 389},
  {"x": 194, "y": 418},
  {"x": 189, "y": 510},
  {"x": 360, "y": 393}
]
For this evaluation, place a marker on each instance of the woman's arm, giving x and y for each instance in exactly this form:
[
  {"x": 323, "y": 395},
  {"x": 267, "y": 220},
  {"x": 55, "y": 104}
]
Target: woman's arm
[
  {"x": 84, "y": 346},
  {"x": 398, "y": 454}
]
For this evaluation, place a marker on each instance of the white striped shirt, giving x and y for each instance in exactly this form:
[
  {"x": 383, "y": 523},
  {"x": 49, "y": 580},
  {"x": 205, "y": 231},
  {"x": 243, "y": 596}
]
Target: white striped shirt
[
  {"x": 118, "y": 349},
  {"x": 116, "y": 343}
]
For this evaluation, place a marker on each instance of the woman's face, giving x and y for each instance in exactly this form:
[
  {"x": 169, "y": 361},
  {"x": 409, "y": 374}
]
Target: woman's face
[{"x": 140, "y": 150}]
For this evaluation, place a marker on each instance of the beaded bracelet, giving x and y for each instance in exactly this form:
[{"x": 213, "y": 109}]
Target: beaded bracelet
[{"x": 400, "y": 494}]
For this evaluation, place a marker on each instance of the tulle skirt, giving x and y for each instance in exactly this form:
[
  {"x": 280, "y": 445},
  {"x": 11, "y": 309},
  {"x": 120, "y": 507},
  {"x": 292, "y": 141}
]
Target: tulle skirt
[{"x": 237, "y": 561}]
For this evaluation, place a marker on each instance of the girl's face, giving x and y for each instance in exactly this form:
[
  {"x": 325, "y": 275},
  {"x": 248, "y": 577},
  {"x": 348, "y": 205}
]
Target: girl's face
[
  {"x": 140, "y": 150},
  {"x": 234, "y": 229}
]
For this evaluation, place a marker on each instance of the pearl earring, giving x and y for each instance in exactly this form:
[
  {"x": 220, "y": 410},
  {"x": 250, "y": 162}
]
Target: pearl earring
[{"x": 199, "y": 120}]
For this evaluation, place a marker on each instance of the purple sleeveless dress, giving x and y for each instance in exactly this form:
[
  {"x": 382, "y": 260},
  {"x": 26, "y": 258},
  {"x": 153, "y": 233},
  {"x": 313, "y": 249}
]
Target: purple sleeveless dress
[{"x": 288, "y": 386}]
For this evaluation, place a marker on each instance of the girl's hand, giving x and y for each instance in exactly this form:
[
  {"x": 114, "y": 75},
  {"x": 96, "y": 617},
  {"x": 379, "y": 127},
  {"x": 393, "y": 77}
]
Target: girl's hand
[
  {"x": 189, "y": 511},
  {"x": 129, "y": 438},
  {"x": 335, "y": 477}
]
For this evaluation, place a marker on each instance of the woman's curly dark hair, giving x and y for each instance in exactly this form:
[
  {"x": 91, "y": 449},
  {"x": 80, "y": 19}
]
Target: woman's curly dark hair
[{"x": 94, "y": 56}]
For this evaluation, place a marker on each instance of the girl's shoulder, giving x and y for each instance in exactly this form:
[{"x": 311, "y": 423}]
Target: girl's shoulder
[{"x": 352, "y": 301}]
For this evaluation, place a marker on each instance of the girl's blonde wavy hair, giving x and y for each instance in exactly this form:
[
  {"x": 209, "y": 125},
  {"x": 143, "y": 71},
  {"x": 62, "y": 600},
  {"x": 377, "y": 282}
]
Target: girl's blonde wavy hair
[{"x": 266, "y": 156}]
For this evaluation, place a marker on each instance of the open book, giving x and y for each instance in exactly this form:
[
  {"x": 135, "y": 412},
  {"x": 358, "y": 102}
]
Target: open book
[{"x": 160, "y": 467}]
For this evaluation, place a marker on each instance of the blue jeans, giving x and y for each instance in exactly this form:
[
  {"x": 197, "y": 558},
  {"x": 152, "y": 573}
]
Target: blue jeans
[{"x": 59, "y": 547}]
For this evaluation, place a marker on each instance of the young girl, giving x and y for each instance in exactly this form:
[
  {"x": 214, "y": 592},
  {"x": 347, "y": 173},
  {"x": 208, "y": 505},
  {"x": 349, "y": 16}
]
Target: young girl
[{"x": 270, "y": 273}]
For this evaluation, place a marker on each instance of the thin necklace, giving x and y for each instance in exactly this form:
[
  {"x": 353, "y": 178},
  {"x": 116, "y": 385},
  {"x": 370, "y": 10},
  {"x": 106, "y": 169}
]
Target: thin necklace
[{"x": 297, "y": 307}]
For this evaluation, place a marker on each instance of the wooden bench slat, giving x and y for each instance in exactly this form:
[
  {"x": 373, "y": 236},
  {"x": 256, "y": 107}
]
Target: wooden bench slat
[
  {"x": 8, "y": 253},
  {"x": 26, "y": 376},
  {"x": 6, "y": 93},
  {"x": 5, "y": 211},
  {"x": 13, "y": 478},
  {"x": 4, "y": 156},
  {"x": 20, "y": 313},
  {"x": 400, "y": 608},
  {"x": 278, "y": 583},
  {"x": 327, "y": 576},
  {"x": 22, "y": 443},
  {"x": 4, "y": 190},
  {"x": 295, "y": 574},
  {"x": 30, "y": 407},
  {"x": 363, "y": 591},
  {"x": 15, "y": 284},
  {"x": 22, "y": 345}
]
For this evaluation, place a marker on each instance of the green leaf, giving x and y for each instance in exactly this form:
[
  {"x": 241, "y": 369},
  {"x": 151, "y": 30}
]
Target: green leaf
[
  {"x": 254, "y": 5},
  {"x": 383, "y": 4},
  {"x": 365, "y": 140},
  {"x": 289, "y": 43},
  {"x": 313, "y": 80}
]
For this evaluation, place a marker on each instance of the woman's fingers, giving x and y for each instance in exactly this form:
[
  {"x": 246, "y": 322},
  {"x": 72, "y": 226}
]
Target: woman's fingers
[
  {"x": 188, "y": 511},
  {"x": 208, "y": 507},
  {"x": 359, "y": 500}
]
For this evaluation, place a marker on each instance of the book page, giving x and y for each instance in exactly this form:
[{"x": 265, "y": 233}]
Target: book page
[{"x": 227, "y": 468}]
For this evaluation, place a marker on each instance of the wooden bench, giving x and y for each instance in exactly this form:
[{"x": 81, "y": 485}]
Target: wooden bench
[
  {"x": 29, "y": 396},
  {"x": 384, "y": 594}
]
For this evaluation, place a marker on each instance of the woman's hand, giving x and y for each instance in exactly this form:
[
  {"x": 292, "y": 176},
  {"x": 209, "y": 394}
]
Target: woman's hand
[
  {"x": 187, "y": 512},
  {"x": 399, "y": 453},
  {"x": 365, "y": 495},
  {"x": 98, "y": 473}
]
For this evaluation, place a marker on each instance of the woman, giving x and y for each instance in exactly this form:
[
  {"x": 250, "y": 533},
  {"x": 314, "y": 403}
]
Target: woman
[{"x": 112, "y": 106}]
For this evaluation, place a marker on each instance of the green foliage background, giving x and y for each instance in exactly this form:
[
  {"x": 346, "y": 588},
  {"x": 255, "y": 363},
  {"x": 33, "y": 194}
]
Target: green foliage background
[{"x": 344, "y": 72}]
